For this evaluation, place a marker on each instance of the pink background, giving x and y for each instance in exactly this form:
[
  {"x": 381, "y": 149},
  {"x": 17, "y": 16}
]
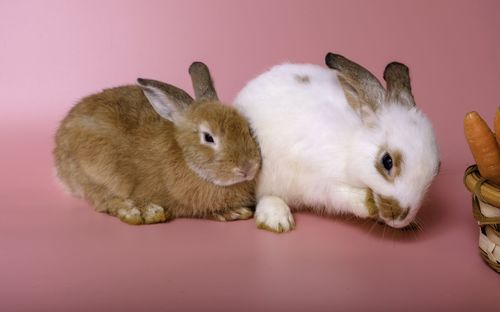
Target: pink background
[{"x": 56, "y": 254}]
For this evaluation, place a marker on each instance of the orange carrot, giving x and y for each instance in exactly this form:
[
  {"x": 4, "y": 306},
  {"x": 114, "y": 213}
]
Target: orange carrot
[
  {"x": 497, "y": 125},
  {"x": 483, "y": 146}
]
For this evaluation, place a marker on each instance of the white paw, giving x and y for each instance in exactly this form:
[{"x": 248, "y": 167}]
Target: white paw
[
  {"x": 241, "y": 213},
  {"x": 130, "y": 215},
  {"x": 273, "y": 214},
  {"x": 154, "y": 214},
  {"x": 152, "y": 209},
  {"x": 232, "y": 214}
]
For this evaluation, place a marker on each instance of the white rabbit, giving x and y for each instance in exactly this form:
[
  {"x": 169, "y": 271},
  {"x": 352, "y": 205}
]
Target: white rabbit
[{"x": 335, "y": 141}]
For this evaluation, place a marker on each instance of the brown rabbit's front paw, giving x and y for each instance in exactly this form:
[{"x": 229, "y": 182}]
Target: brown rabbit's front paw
[
  {"x": 233, "y": 214},
  {"x": 148, "y": 214},
  {"x": 155, "y": 214},
  {"x": 130, "y": 215}
]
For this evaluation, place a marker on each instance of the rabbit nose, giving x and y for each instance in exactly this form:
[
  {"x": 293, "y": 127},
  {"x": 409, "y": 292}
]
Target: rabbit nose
[
  {"x": 248, "y": 170},
  {"x": 391, "y": 209}
]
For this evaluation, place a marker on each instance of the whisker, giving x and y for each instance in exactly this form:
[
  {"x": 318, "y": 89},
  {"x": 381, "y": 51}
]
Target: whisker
[
  {"x": 418, "y": 224},
  {"x": 414, "y": 234},
  {"x": 421, "y": 224},
  {"x": 349, "y": 217},
  {"x": 372, "y": 227},
  {"x": 362, "y": 222}
]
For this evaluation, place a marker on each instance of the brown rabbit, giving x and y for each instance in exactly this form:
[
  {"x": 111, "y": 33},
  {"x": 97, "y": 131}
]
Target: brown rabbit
[{"x": 150, "y": 153}]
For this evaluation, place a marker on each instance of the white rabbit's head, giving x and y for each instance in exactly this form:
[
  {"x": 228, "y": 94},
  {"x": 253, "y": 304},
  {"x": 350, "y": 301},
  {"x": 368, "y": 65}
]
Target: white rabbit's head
[{"x": 396, "y": 157}]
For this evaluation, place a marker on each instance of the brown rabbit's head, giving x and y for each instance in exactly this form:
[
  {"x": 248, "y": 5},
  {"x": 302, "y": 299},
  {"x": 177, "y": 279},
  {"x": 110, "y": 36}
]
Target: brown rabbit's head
[{"x": 215, "y": 140}]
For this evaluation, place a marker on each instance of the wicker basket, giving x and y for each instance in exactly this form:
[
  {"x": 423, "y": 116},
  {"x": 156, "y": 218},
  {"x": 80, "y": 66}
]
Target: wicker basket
[{"x": 486, "y": 211}]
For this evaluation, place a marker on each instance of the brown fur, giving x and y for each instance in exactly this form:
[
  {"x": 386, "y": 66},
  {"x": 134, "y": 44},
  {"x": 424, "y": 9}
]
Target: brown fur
[
  {"x": 363, "y": 90},
  {"x": 370, "y": 204},
  {"x": 397, "y": 77},
  {"x": 397, "y": 161},
  {"x": 365, "y": 93},
  {"x": 202, "y": 82},
  {"x": 303, "y": 79},
  {"x": 389, "y": 208},
  {"x": 360, "y": 86},
  {"x": 115, "y": 151}
]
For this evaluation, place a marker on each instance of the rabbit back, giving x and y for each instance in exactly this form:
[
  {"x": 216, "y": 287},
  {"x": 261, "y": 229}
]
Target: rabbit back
[
  {"x": 105, "y": 139},
  {"x": 294, "y": 109}
]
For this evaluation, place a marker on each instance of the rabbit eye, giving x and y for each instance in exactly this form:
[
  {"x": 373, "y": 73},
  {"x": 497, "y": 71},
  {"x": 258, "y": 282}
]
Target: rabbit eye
[
  {"x": 208, "y": 138},
  {"x": 387, "y": 161}
]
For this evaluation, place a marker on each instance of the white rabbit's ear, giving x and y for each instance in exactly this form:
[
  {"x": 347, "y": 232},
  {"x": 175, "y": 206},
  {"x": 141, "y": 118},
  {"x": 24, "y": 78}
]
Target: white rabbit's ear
[
  {"x": 202, "y": 82},
  {"x": 365, "y": 110},
  {"x": 168, "y": 101},
  {"x": 397, "y": 77},
  {"x": 363, "y": 91}
]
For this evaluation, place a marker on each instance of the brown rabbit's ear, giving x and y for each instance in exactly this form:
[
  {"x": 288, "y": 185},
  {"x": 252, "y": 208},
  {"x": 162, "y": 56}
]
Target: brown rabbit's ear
[
  {"x": 202, "y": 82},
  {"x": 397, "y": 77},
  {"x": 168, "y": 101},
  {"x": 362, "y": 89}
]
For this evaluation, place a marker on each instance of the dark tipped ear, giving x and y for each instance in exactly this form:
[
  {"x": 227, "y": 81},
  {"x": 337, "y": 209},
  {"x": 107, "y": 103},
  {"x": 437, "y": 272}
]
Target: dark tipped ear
[
  {"x": 397, "y": 77},
  {"x": 362, "y": 89},
  {"x": 202, "y": 82},
  {"x": 360, "y": 81},
  {"x": 168, "y": 101}
]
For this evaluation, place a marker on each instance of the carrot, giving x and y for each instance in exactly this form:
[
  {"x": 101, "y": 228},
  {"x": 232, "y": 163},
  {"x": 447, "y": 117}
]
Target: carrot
[
  {"x": 497, "y": 125},
  {"x": 483, "y": 146}
]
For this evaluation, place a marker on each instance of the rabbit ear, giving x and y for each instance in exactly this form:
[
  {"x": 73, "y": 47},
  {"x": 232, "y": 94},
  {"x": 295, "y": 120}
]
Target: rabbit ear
[
  {"x": 397, "y": 77},
  {"x": 363, "y": 91},
  {"x": 168, "y": 101},
  {"x": 202, "y": 82}
]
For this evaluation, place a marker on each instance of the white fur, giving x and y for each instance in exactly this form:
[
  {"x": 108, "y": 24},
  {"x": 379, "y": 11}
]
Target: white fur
[
  {"x": 152, "y": 213},
  {"x": 318, "y": 153},
  {"x": 129, "y": 213},
  {"x": 152, "y": 210},
  {"x": 273, "y": 212}
]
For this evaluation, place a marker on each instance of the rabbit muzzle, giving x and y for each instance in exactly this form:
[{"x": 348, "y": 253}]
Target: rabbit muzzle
[
  {"x": 388, "y": 210},
  {"x": 246, "y": 171}
]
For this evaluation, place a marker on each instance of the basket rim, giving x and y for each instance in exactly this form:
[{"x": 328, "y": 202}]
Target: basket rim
[
  {"x": 478, "y": 215},
  {"x": 480, "y": 187}
]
